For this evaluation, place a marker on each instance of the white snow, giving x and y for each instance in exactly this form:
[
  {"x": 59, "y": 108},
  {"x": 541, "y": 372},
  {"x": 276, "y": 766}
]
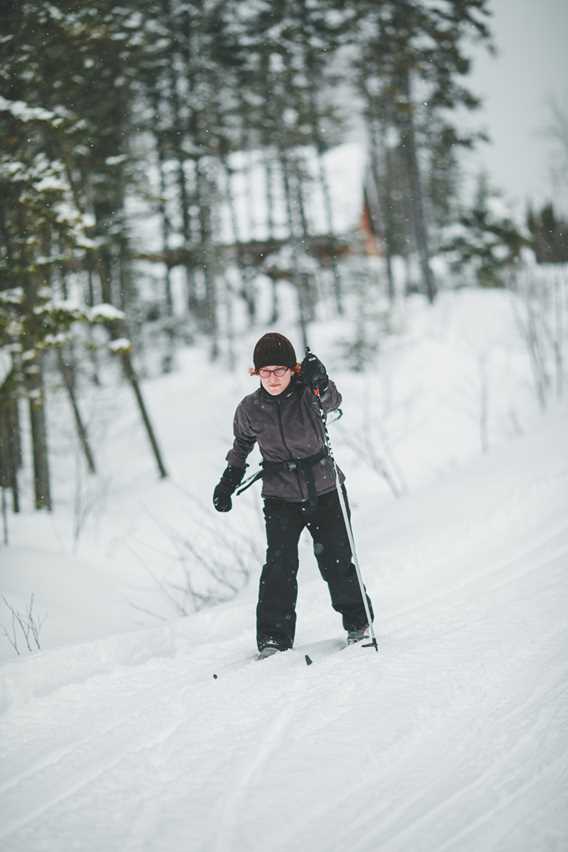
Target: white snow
[
  {"x": 5, "y": 366},
  {"x": 105, "y": 312},
  {"x": 117, "y": 736},
  {"x": 120, "y": 344},
  {"x": 23, "y": 112},
  {"x": 50, "y": 183}
]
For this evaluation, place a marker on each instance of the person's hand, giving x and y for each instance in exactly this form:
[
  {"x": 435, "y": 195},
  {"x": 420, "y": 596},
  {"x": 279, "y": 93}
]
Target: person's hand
[
  {"x": 314, "y": 374},
  {"x": 222, "y": 498},
  {"x": 225, "y": 487}
]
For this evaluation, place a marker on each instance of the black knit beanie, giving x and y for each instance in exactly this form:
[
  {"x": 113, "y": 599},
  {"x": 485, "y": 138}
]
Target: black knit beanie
[{"x": 274, "y": 349}]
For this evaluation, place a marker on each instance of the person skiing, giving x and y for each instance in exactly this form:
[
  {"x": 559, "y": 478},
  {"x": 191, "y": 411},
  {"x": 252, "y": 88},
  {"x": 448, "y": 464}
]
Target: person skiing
[{"x": 299, "y": 490}]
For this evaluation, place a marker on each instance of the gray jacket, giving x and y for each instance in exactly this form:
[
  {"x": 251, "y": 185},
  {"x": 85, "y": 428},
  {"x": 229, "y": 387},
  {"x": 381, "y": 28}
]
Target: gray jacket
[{"x": 286, "y": 426}]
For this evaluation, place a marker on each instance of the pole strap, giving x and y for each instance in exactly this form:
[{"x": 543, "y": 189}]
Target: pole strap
[{"x": 250, "y": 480}]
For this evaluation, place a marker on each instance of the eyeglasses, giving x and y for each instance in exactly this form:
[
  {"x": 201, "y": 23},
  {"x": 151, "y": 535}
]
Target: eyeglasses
[{"x": 265, "y": 373}]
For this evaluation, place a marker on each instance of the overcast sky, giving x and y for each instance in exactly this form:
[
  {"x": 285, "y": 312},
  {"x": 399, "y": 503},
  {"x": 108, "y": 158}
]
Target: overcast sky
[{"x": 531, "y": 68}]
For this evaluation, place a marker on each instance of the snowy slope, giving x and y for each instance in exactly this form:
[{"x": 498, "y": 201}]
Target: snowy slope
[
  {"x": 456, "y": 377},
  {"x": 454, "y": 737}
]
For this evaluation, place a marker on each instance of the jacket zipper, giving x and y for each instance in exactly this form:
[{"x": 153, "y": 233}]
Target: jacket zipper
[{"x": 287, "y": 447}]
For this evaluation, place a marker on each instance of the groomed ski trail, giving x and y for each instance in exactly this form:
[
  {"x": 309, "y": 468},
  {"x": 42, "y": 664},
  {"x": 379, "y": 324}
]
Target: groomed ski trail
[
  {"x": 229, "y": 833},
  {"x": 454, "y": 737}
]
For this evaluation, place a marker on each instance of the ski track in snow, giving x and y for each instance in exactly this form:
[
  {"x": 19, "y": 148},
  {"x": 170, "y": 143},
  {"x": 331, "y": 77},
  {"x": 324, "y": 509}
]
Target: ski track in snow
[
  {"x": 453, "y": 739},
  {"x": 228, "y": 833},
  {"x": 143, "y": 734}
]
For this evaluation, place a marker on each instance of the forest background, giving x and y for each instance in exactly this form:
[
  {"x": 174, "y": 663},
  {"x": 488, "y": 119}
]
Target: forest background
[{"x": 140, "y": 140}]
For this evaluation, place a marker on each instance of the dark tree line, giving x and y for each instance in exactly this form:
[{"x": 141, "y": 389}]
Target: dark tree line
[{"x": 549, "y": 233}]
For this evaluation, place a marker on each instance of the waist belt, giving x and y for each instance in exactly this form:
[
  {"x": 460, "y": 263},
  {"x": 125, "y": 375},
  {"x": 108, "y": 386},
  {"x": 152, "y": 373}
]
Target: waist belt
[{"x": 304, "y": 465}]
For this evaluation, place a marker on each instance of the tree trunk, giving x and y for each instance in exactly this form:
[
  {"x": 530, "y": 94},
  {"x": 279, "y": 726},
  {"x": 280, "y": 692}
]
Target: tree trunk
[
  {"x": 380, "y": 201},
  {"x": 410, "y": 152},
  {"x": 178, "y": 137},
  {"x": 268, "y": 177},
  {"x": 125, "y": 275},
  {"x": 328, "y": 207},
  {"x": 309, "y": 62},
  {"x": 130, "y": 374},
  {"x": 36, "y": 397},
  {"x": 309, "y": 292},
  {"x": 166, "y": 226},
  {"x": 248, "y": 275},
  {"x": 5, "y": 516},
  {"x": 244, "y": 287},
  {"x": 104, "y": 257},
  {"x": 15, "y": 460},
  {"x": 299, "y": 174},
  {"x": 8, "y": 460},
  {"x": 229, "y": 325},
  {"x": 303, "y": 308},
  {"x": 208, "y": 195},
  {"x": 92, "y": 348},
  {"x": 168, "y": 358},
  {"x": 275, "y": 312},
  {"x": 268, "y": 162},
  {"x": 269, "y": 191},
  {"x": 67, "y": 376},
  {"x": 296, "y": 276}
]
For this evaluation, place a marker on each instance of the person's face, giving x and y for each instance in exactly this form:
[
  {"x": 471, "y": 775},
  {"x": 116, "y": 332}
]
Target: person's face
[{"x": 275, "y": 379}]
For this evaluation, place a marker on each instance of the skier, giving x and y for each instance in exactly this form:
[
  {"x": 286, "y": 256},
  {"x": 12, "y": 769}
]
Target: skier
[{"x": 299, "y": 490}]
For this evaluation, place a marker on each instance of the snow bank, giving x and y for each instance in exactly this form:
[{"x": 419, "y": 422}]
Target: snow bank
[
  {"x": 453, "y": 738},
  {"x": 41, "y": 674},
  {"x": 457, "y": 376}
]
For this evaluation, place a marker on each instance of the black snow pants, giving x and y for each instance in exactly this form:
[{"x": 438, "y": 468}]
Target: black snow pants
[{"x": 276, "y": 609}]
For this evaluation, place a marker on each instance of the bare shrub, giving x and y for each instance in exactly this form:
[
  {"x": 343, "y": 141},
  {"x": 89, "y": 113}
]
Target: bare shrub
[
  {"x": 207, "y": 573},
  {"x": 370, "y": 444},
  {"x": 541, "y": 312},
  {"x": 24, "y": 626}
]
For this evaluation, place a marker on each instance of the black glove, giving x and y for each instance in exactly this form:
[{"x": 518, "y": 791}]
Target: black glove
[
  {"x": 225, "y": 487},
  {"x": 314, "y": 374}
]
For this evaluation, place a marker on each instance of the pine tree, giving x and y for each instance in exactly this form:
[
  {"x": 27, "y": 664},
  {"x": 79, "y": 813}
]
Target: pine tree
[
  {"x": 549, "y": 234},
  {"x": 414, "y": 54},
  {"x": 485, "y": 242},
  {"x": 64, "y": 168}
]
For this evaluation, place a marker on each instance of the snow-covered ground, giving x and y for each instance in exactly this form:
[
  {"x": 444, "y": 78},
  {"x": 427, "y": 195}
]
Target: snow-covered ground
[{"x": 455, "y": 736}]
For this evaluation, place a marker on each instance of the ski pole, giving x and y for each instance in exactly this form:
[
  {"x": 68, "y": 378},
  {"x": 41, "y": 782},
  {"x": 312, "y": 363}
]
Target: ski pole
[{"x": 347, "y": 522}]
